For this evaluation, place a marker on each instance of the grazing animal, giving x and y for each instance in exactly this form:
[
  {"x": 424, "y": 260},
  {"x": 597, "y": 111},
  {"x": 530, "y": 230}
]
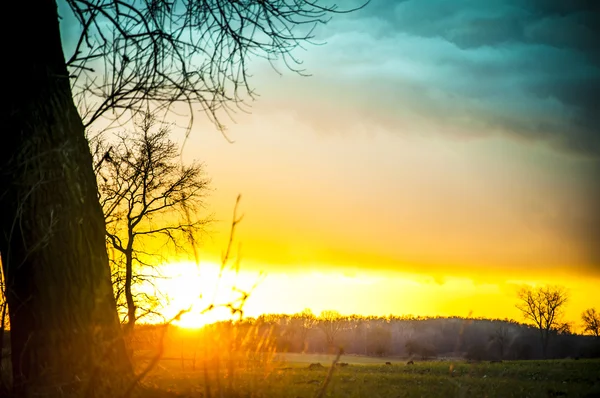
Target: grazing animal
[
  {"x": 411, "y": 362},
  {"x": 342, "y": 364},
  {"x": 315, "y": 366},
  {"x": 388, "y": 363}
]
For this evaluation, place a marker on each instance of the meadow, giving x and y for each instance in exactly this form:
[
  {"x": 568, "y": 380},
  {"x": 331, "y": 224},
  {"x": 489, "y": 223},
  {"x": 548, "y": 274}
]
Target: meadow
[{"x": 291, "y": 375}]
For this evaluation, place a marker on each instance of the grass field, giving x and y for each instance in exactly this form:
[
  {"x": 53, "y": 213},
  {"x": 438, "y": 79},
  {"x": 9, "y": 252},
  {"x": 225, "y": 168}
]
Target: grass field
[{"x": 289, "y": 376}]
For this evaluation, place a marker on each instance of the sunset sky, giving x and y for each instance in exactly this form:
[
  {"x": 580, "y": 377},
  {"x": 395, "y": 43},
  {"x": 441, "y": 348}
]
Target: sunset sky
[{"x": 440, "y": 155}]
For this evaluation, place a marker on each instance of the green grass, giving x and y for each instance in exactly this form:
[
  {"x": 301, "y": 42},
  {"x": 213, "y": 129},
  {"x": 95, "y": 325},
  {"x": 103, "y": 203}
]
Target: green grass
[{"x": 369, "y": 377}]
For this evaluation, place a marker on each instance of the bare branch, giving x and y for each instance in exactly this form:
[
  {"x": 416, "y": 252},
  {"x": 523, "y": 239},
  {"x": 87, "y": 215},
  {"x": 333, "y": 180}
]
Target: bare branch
[
  {"x": 147, "y": 195},
  {"x": 591, "y": 321},
  {"x": 543, "y": 306},
  {"x": 154, "y": 54}
]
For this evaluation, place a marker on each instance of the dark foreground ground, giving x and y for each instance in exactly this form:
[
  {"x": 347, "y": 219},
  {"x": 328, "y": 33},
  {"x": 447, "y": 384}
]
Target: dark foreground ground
[{"x": 370, "y": 377}]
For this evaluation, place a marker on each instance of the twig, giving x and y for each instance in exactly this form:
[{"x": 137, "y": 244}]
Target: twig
[
  {"x": 323, "y": 388},
  {"x": 157, "y": 357}
]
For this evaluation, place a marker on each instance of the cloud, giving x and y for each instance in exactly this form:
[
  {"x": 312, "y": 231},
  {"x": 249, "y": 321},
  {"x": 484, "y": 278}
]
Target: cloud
[{"x": 528, "y": 69}]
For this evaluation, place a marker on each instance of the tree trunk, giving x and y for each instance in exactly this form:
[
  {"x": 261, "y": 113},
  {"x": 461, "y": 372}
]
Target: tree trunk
[
  {"x": 3, "y": 387},
  {"x": 2, "y": 329},
  {"x": 544, "y": 338},
  {"x": 131, "y": 318},
  {"x": 64, "y": 324}
]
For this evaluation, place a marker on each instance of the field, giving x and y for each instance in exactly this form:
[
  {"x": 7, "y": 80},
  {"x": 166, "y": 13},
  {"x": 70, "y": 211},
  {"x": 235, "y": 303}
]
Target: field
[{"x": 289, "y": 376}]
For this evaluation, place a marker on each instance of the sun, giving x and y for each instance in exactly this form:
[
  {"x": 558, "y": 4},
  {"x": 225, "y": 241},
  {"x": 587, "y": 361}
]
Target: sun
[{"x": 198, "y": 293}]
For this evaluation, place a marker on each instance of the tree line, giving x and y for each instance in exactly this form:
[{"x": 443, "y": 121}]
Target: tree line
[{"x": 400, "y": 336}]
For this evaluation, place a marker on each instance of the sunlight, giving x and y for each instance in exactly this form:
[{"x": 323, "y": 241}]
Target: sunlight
[
  {"x": 202, "y": 292},
  {"x": 185, "y": 286}
]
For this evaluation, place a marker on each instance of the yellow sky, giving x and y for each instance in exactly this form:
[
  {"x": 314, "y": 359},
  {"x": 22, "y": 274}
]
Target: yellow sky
[
  {"x": 194, "y": 287},
  {"x": 377, "y": 223}
]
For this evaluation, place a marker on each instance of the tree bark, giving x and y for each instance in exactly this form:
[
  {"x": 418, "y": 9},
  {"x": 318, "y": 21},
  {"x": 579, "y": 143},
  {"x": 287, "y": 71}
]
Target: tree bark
[
  {"x": 544, "y": 340},
  {"x": 131, "y": 308},
  {"x": 65, "y": 334}
]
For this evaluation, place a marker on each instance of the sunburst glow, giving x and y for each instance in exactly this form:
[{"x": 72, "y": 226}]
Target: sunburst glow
[
  {"x": 192, "y": 288},
  {"x": 199, "y": 293}
]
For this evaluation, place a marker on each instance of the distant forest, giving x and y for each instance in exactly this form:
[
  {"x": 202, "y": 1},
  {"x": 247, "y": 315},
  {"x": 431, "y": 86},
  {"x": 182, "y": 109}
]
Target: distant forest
[{"x": 407, "y": 337}]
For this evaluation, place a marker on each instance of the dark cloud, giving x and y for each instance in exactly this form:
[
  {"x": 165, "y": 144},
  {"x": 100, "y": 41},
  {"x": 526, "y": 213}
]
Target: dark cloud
[
  {"x": 472, "y": 23},
  {"x": 529, "y": 69}
]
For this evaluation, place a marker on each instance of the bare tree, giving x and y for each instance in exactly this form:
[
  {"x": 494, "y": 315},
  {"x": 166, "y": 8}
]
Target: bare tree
[
  {"x": 129, "y": 56},
  {"x": 162, "y": 53},
  {"x": 564, "y": 328},
  {"x": 150, "y": 200},
  {"x": 331, "y": 323},
  {"x": 591, "y": 321},
  {"x": 303, "y": 322},
  {"x": 544, "y": 307},
  {"x": 500, "y": 337}
]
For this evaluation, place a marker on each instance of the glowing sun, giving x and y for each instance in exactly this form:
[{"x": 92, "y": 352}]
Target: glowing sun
[{"x": 200, "y": 294}]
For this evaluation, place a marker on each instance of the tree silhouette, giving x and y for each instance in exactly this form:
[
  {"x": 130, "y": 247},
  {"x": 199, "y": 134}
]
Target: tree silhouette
[
  {"x": 303, "y": 323},
  {"x": 543, "y": 306},
  {"x": 151, "y": 203},
  {"x": 130, "y": 56},
  {"x": 591, "y": 321},
  {"x": 331, "y": 323},
  {"x": 500, "y": 337}
]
